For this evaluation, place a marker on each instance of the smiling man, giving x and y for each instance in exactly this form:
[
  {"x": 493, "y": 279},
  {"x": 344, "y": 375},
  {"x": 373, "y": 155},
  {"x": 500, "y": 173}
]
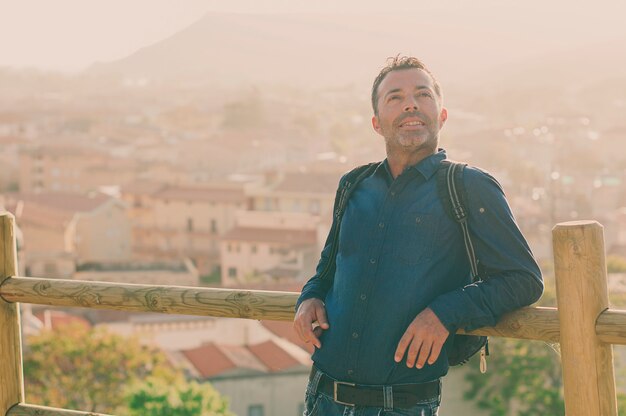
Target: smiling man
[{"x": 393, "y": 284}]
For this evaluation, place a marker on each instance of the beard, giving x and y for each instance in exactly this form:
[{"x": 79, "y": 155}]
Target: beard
[{"x": 423, "y": 138}]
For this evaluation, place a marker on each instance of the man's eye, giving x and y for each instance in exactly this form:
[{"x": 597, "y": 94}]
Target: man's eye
[
  {"x": 394, "y": 97},
  {"x": 425, "y": 94}
]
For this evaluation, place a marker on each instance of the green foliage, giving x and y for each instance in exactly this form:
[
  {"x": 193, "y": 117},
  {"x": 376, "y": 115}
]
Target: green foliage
[
  {"x": 616, "y": 264},
  {"x": 212, "y": 279},
  {"x": 75, "y": 367},
  {"x": 156, "y": 397},
  {"x": 621, "y": 403},
  {"x": 524, "y": 379}
]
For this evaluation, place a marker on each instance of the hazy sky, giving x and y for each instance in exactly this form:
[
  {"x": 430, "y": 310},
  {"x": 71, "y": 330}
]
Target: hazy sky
[{"x": 71, "y": 34}]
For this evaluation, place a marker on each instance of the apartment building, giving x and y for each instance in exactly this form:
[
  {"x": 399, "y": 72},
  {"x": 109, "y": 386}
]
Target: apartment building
[
  {"x": 267, "y": 378},
  {"x": 269, "y": 246},
  {"x": 70, "y": 169},
  {"x": 172, "y": 221},
  {"x": 295, "y": 191},
  {"x": 62, "y": 230}
]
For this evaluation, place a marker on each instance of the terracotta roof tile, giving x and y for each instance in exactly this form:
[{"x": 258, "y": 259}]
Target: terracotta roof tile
[
  {"x": 66, "y": 151},
  {"x": 285, "y": 330},
  {"x": 142, "y": 187},
  {"x": 63, "y": 201},
  {"x": 52, "y": 210},
  {"x": 242, "y": 357},
  {"x": 209, "y": 360},
  {"x": 40, "y": 216},
  {"x": 318, "y": 183},
  {"x": 197, "y": 193},
  {"x": 59, "y": 318},
  {"x": 273, "y": 356},
  {"x": 272, "y": 235}
]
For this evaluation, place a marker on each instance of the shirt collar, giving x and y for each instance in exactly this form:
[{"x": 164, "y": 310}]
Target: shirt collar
[{"x": 426, "y": 167}]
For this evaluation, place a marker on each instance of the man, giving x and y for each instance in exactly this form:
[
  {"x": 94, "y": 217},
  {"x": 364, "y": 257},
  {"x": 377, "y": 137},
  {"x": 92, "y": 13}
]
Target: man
[{"x": 399, "y": 279}]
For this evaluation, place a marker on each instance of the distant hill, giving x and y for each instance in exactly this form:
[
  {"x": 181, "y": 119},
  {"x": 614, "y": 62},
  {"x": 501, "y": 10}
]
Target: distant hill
[
  {"x": 236, "y": 48},
  {"x": 326, "y": 50}
]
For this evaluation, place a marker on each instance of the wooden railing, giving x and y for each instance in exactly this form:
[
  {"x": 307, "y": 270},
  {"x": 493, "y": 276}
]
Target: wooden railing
[{"x": 583, "y": 324}]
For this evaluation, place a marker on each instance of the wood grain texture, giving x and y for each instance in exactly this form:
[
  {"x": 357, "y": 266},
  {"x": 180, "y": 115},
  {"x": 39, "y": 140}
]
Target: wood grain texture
[
  {"x": 611, "y": 327},
  {"x": 32, "y": 410},
  {"x": 582, "y": 295},
  {"x": 536, "y": 323},
  {"x": 11, "y": 377},
  {"x": 251, "y": 304},
  {"x": 527, "y": 323}
]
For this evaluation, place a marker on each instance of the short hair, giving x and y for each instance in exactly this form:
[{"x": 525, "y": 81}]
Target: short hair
[{"x": 395, "y": 64}]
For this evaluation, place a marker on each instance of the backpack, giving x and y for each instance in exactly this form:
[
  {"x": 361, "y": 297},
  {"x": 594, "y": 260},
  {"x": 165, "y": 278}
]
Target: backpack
[{"x": 451, "y": 190}]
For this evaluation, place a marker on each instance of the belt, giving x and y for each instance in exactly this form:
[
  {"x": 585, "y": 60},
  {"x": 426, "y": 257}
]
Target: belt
[{"x": 398, "y": 395}]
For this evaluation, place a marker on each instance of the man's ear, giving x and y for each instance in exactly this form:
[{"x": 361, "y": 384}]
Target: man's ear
[
  {"x": 443, "y": 116},
  {"x": 376, "y": 125}
]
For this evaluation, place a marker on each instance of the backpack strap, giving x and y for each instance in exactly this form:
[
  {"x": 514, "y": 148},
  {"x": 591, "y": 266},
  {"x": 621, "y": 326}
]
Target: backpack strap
[
  {"x": 453, "y": 196},
  {"x": 451, "y": 189},
  {"x": 347, "y": 185}
]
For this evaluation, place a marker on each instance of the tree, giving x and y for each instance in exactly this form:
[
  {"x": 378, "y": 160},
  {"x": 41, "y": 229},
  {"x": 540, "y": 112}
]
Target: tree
[
  {"x": 524, "y": 379},
  {"x": 156, "y": 397},
  {"x": 75, "y": 367}
]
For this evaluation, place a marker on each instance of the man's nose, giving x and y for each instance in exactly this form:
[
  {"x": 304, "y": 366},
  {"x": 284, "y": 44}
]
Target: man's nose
[{"x": 410, "y": 104}]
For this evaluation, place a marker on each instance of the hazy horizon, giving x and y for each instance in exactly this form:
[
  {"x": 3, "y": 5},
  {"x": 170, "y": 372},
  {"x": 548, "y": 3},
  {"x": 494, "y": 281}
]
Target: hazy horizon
[{"x": 69, "y": 35}]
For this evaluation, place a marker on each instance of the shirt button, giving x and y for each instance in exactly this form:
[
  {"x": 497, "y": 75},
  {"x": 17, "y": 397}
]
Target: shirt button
[
  {"x": 393, "y": 193},
  {"x": 350, "y": 372},
  {"x": 381, "y": 225},
  {"x": 355, "y": 335},
  {"x": 418, "y": 220},
  {"x": 363, "y": 296},
  {"x": 373, "y": 261}
]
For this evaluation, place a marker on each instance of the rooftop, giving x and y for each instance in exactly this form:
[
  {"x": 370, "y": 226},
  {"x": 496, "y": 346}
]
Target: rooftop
[
  {"x": 271, "y": 235},
  {"x": 212, "y": 359},
  {"x": 202, "y": 193}
]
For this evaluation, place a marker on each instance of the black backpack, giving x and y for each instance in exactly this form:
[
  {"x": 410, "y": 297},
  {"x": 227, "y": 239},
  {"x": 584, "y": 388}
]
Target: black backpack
[{"x": 451, "y": 189}]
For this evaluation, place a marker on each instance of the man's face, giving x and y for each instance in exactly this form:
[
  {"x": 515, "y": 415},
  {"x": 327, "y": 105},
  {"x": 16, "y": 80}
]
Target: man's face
[{"x": 410, "y": 114}]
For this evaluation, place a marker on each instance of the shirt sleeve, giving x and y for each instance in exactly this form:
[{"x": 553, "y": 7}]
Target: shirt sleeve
[{"x": 512, "y": 278}]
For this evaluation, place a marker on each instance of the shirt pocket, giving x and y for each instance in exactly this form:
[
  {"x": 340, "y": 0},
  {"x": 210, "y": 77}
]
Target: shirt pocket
[{"x": 415, "y": 239}]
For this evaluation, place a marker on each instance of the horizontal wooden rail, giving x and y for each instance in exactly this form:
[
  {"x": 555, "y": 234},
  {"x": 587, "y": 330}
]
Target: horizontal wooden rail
[
  {"x": 251, "y": 304},
  {"x": 23, "y": 409},
  {"x": 532, "y": 323},
  {"x": 611, "y": 326}
]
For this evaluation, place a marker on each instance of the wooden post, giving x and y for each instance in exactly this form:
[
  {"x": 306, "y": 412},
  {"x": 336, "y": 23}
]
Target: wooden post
[
  {"x": 11, "y": 378},
  {"x": 582, "y": 295}
]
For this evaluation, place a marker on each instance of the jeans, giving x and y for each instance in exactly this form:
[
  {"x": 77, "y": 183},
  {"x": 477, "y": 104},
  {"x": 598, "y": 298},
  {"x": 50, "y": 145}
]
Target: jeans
[{"x": 320, "y": 404}]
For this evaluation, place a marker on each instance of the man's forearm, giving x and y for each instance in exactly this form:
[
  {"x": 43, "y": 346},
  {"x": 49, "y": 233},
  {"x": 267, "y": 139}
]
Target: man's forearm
[{"x": 483, "y": 303}]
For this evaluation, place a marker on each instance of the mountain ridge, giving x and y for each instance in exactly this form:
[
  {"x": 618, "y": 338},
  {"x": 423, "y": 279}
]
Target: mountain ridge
[{"x": 321, "y": 50}]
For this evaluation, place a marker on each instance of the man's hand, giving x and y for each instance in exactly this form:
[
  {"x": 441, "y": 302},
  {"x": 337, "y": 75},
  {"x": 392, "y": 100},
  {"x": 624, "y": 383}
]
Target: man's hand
[
  {"x": 310, "y": 321},
  {"x": 425, "y": 335}
]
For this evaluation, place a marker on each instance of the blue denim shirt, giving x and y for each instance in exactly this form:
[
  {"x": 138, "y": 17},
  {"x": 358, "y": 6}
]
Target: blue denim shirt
[{"x": 399, "y": 253}]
